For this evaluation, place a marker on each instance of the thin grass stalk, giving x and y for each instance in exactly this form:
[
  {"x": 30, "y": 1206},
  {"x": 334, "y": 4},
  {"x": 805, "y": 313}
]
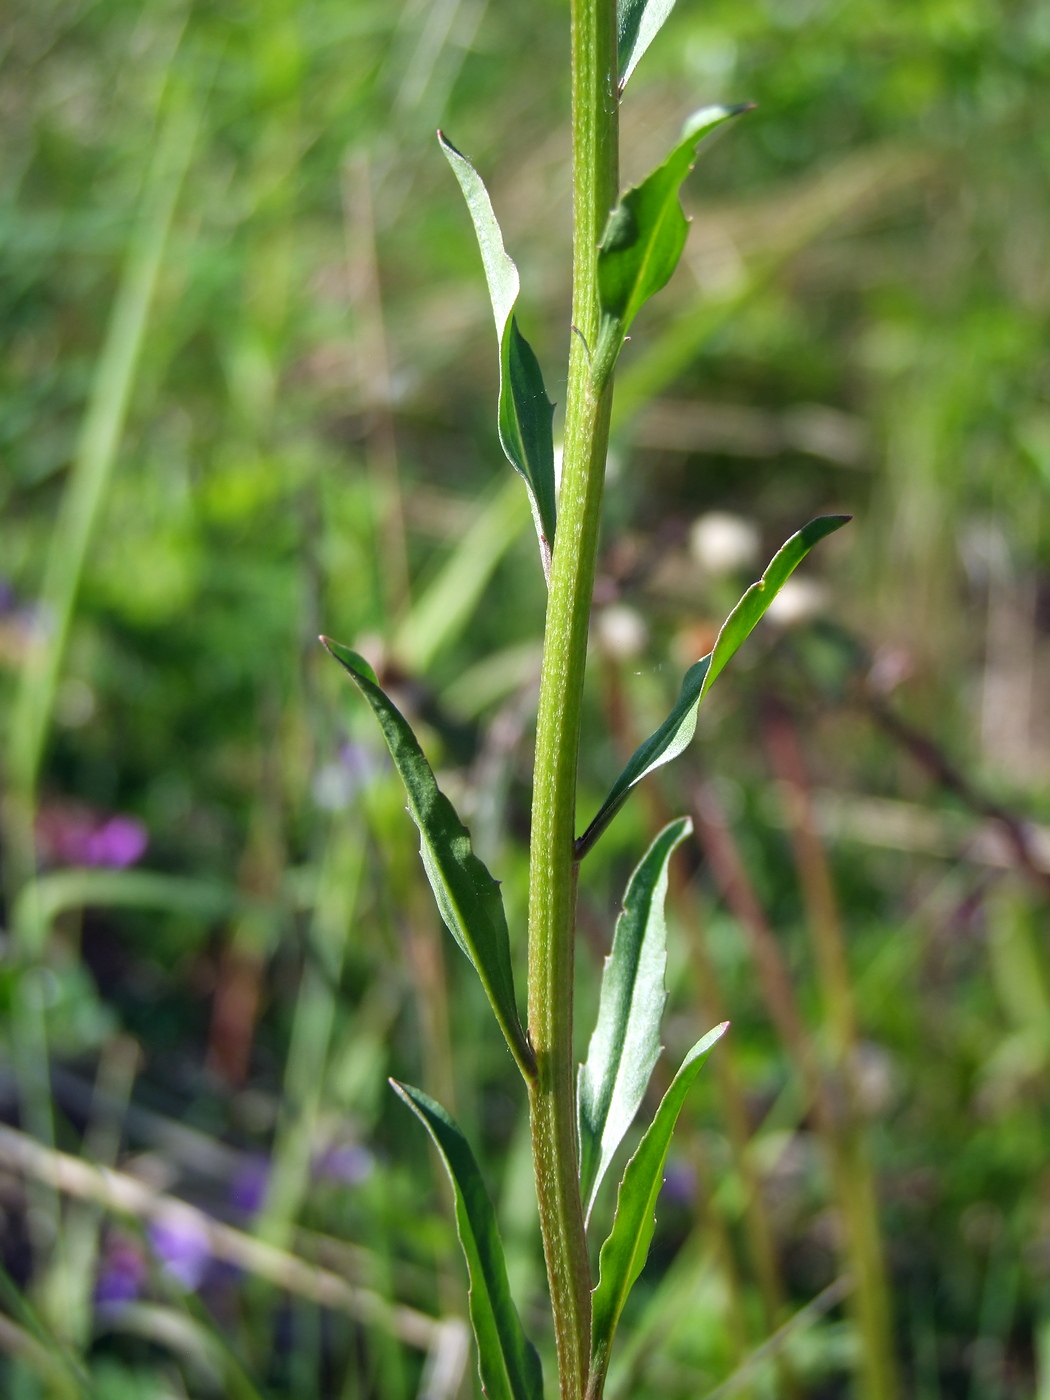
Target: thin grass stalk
[
  {"x": 77, "y": 523},
  {"x": 90, "y": 474},
  {"x": 850, "y": 1170},
  {"x": 66, "y": 1290},
  {"x": 860, "y": 1200},
  {"x": 375, "y": 380},
  {"x": 553, "y": 871},
  {"x": 315, "y": 1010},
  {"x": 757, "y": 1228}
]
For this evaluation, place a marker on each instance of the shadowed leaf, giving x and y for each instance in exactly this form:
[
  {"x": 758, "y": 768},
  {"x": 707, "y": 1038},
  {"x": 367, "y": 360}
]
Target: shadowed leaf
[
  {"x": 678, "y": 728},
  {"x": 507, "y": 1360},
  {"x": 624, "y": 1252},
  {"x": 468, "y": 897},
  {"x": 525, "y": 412},
  {"x": 645, "y": 235},
  {"x": 626, "y": 1041}
]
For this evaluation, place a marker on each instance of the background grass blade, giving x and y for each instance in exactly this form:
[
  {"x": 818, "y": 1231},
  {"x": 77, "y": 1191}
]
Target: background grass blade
[
  {"x": 507, "y": 1361},
  {"x": 626, "y": 1041},
  {"x": 92, "y": 467},
  {"x": 637, "y": 23},
  {"x": 525, "y": 412},
  {"x": 680, "y": 725},
  {"x": 444, "y": 607},
  {"x": 467, "y": 895},
  {"x": 623, "y": 1253}
]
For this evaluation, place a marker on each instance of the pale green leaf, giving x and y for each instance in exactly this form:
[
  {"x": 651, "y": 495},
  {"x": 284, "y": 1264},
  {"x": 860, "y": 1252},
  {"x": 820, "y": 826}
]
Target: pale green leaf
[
  {"x": 507, "y": 1360},
  {"x": 626, "y": 1041},
  {"x": 468, "y": 897},
  {"x": 623, "y": 1254},
  {"x": 680, "y": 725},
  {"x": 637, "y": 24},
  {"x": 525, "y": 412}
]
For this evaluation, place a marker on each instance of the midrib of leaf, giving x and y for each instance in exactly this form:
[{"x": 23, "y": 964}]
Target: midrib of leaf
[{"x": 626, "y": 1040}]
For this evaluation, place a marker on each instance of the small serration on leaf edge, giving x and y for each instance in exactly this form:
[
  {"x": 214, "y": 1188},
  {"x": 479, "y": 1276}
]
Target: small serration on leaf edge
[
  {"x": 674, "y": 735},
  {"x": 468, "y": 897}
]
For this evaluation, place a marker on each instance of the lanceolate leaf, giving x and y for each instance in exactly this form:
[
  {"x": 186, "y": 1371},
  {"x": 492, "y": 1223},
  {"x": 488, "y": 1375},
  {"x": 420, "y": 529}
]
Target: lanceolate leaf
[
  {"x": 467, "y": 895},
  {"x": 637, "y": 22},
  {"x": 645, "y": 235},
  {"x": 624, "y": 1252},
  {"x": 680, "y": 725},
  {"x": 507, "y": 1360},
  {"x": 626, "y": 1040},
  {"x": 525, "y": 412}
]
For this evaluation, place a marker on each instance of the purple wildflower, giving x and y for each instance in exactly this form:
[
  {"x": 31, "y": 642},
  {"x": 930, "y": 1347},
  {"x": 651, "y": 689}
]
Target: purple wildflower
[
  {"x": 121, "y": 1274},
  {"x": 679, "y": 1183},
  {"x": 71, "y": 834},
  {"x": 346, "y": 1162},
  {"x": 248, "y": 1188},
  {"x": 117, "y": 843},
  {"x": 180, "y": 1242}
]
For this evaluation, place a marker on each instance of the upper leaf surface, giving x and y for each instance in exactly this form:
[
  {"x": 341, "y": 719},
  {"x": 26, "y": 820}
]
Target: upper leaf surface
[
  {"x": 507, "y": 1360},
  {"x": 680, "y": 725},
  {"x": 468, "y": 897},
  {"x": 646, "y": 232},
  {"x": 500, "y": 271},
  {"x": 626, "y": 1040},
  {"x": 525, "y": 413},
  {"x": 637, "y": 24},
  {"x": 624, "y": 1252}
]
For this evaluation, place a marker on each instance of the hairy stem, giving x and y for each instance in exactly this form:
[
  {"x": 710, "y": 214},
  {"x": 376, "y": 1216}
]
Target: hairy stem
[{"x": 552, "y": 892}]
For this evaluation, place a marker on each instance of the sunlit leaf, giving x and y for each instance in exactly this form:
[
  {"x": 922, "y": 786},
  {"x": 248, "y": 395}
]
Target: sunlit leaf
[
  {"x": 507, "y": 1360},
  {"x": 645, "y": 235},
  {"x": 680, "y": 725},
  {"x": 623, "y": 1253},
  {"x": 626, "y": 1041},
  {"x": 525, "y": 412},
  {"x": 637, "y": 24},
  {"x": 467, "y": 895}
]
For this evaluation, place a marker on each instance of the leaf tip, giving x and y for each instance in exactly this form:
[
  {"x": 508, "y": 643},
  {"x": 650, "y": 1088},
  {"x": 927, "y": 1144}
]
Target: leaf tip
[{"x": 350, "y": 660}]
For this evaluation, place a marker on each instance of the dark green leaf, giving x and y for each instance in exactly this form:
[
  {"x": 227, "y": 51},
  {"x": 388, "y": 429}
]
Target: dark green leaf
[
  {"x": 467, "y": 895},
  {"x": 645, "y": 235},
  {"x": 624, "y": 1252},
  {"x": 637, "y": 23},
  {"x": 680, "y": 725},
  {"x": 507, "y": 1360},
  {"x": 626, "y": 1040},
  {"x": 525, "y": 412}
]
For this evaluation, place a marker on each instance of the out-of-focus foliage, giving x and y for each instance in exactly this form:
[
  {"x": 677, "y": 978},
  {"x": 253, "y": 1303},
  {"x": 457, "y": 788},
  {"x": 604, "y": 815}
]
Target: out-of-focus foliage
[{"x": 859, "y": 325}]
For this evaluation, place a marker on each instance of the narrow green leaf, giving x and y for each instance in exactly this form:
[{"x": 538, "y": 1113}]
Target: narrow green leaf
[
  {"x": 525, "y": 412},
  {"x": 626, "y": 1041},
  {"x": 680, "y": 725},
  {"x": 507, "y": 1360},
  {"x": 645, "y": 235},
  {"x": 637, "y": 23},
  {"x": 468, "y": 897},
  {"x": 624, "y": 1252}
]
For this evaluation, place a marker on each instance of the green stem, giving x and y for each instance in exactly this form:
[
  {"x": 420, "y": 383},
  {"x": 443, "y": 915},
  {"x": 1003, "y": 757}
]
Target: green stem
[{"x": 552, "y": 892}]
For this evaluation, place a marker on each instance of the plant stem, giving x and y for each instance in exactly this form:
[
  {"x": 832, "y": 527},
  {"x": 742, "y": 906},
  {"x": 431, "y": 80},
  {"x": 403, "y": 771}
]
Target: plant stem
[{"x": 552, "y": 891}]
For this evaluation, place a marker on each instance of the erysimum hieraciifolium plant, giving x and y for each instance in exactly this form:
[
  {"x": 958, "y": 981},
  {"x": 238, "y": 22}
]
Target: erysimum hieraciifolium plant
[{"x": 625, "y": 249}]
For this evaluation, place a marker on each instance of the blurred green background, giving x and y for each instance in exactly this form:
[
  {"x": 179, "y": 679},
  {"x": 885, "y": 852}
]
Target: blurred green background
[{"x": 248, "y": 392}]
